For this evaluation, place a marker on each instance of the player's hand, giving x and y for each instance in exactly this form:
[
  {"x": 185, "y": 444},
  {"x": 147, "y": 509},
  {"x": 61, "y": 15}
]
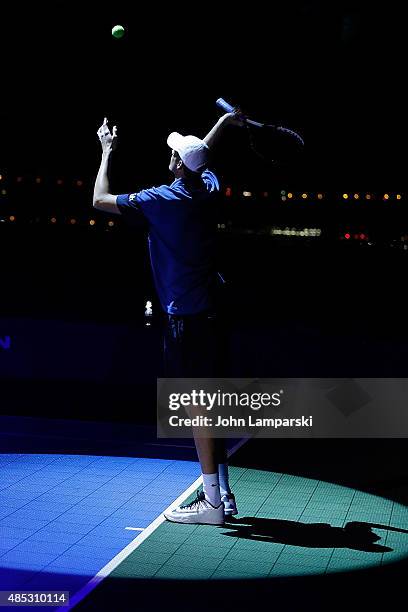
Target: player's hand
[
  {"x": 107, "y": 139},
  {"x": 235, "y": 118}
]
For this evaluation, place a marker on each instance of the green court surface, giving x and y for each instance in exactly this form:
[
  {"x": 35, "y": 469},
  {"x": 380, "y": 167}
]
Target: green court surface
[
  {"x": 321, "y": 526},
  {"x": 287, "y": 525}
]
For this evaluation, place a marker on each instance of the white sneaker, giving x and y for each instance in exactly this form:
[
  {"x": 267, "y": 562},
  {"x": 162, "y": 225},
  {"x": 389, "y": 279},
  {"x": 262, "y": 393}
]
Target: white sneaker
[
  {"x": 230, "y": 506},
  {"x": 200, "y": 511}
]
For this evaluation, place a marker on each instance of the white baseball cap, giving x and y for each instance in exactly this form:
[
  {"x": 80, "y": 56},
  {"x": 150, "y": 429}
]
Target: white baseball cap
[{"x": 192, "y": 150}]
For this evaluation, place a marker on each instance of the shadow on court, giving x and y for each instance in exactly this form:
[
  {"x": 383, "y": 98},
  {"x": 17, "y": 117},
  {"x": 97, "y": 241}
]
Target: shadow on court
[{"x": 355, "y": 535}]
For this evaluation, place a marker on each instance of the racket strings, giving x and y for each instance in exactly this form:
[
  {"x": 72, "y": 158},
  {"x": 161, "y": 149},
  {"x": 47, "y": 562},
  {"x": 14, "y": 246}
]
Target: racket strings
[
  {"x": 257, "y": 143},
  {"x": 254, "y": 146}
]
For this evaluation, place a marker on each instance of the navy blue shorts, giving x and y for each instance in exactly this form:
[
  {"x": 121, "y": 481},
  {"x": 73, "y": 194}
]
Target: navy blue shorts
[{"x": 192, "y": 346}]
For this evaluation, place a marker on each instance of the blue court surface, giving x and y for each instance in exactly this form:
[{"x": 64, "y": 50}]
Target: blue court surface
[{"x": 64, "y": 516}]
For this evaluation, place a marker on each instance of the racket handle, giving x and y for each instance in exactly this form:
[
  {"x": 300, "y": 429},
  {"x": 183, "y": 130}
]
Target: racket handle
[{"x": 221, "y": 103}]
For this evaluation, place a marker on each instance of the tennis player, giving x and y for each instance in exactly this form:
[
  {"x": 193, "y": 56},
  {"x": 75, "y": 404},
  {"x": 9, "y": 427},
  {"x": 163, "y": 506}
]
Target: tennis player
[{"x": 181, "y": 238}]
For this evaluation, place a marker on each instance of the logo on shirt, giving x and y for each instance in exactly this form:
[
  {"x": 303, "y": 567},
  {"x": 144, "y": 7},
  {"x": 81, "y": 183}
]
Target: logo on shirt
[{"x": 132, "y": 197}]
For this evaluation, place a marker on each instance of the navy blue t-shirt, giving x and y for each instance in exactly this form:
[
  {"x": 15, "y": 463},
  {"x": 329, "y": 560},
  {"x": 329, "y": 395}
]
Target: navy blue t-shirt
[{"x": 180, "y": 220}]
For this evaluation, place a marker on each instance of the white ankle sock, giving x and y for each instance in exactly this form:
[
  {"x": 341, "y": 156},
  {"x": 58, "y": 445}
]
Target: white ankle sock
[
  {"x": 211, "y": 488},
  {"x": 223, "y": 479}
]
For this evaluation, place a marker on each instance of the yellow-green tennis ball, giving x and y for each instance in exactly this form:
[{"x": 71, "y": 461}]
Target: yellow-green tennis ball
[{"x": 118, "y": 31}]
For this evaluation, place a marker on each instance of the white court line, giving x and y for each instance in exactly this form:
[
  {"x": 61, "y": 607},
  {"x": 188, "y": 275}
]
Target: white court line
[
  {"x": 135, "y": 528},
  {"x": 125, "y": 552}
]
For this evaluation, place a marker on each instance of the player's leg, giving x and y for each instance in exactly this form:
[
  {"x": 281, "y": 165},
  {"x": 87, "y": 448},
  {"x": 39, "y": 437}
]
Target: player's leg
[
  {"x": 227, "y": 497},
  {"x": 187, "y": 346}
]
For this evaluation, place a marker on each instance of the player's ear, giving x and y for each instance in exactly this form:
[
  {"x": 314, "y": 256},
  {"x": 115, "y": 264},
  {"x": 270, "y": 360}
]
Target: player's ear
[{"x": 179, "y": 163}]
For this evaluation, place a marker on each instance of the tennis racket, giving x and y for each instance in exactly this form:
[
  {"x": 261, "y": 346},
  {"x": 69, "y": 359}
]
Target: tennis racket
[{"x": 268, "y": 141}]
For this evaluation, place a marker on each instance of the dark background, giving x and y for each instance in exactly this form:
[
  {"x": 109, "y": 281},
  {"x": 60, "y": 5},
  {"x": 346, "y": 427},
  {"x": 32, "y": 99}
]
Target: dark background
[{"x": 332, "y": 70}]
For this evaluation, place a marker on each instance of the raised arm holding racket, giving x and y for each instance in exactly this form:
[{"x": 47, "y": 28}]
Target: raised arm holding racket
[{"x": 268, "y": 141}]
